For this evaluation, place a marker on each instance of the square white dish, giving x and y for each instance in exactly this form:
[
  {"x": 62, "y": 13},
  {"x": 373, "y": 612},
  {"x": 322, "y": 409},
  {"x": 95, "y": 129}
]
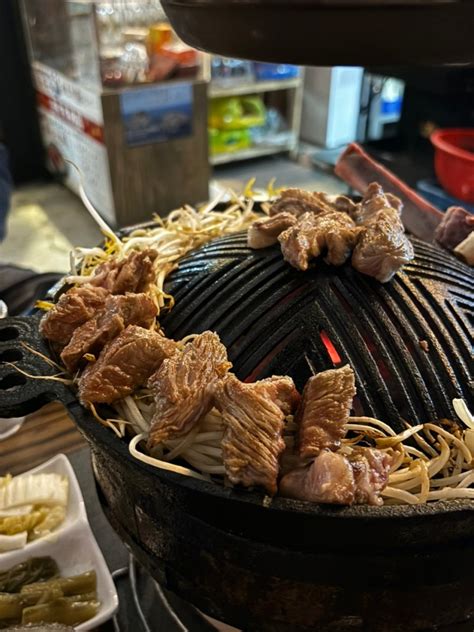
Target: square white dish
[
  {"x": 75, "y": 512},
  {"x": 72, "y": 545}
]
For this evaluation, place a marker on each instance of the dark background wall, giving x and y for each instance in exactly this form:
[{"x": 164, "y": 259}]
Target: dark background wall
[{"x": 18, "y": 121}]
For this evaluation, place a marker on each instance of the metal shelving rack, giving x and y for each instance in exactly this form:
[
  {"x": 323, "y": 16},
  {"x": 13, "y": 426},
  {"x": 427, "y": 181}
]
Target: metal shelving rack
[
  {"x": 294, "y": 88},
  {"x": 254, "y": 87}
]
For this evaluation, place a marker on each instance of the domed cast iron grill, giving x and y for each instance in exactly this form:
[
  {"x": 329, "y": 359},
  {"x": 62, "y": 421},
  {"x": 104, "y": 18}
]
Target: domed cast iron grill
[{"x": 296, "y": 566}]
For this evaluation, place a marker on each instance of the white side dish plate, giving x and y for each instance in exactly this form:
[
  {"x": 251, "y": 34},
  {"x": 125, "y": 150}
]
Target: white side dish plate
[{"x": 72, "y": 545}]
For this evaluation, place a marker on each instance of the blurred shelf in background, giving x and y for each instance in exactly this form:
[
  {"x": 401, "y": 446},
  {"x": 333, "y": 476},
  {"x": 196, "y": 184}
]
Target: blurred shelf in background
[
  {"x": 251, "y": 152},
  {"x": 253, "y": 87}
]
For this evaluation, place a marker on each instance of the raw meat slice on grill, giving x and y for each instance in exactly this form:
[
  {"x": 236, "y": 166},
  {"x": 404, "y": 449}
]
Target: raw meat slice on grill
[
  {"x": 358, "y": 169},
  {"x": 329, "y": 479},
  {"x": 124, "y": 364},
  {"x": 335, "y": 478},
  {"x": 371, "y": 468},
  {"x": 455, "y": 227},
  {"x": 254, "y": 415},
  {"x": 382, "y": 248},
  {"x": 324, "y": 410},
  {"x": 183, "y": 386},
  {"x": 264, "y": 232},
  {"x": 332, "y": 232},
  {"x": 117, "y": 313},
  {"x": 134, "y": 273},
  {"x": 73, "y": 309}
]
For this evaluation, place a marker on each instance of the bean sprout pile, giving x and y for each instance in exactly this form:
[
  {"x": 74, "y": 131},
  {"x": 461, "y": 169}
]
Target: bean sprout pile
[
  {"x": 429, "y": 461},
  {"x": 173, "y": 237}
]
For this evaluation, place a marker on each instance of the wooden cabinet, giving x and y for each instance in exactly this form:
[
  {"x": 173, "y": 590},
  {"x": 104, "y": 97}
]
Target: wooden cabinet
[{"x": 156, "y": 177}]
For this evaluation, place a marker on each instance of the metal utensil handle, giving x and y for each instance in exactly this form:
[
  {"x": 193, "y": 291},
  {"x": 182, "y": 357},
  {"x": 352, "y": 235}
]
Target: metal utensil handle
[{"x": 21, "y": 392}]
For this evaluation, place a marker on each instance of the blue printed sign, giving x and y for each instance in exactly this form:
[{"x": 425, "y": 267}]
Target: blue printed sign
[{"x": 157, "y": 113}]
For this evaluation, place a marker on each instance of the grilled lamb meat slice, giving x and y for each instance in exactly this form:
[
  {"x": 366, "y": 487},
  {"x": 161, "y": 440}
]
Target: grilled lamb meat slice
[
  {"x": 341, "y": 480},
  {"x": 455, "y": 227},
  {"x": 117, "y": 313},
  {"x": 358, "y": 169},
  {"x": 132, "y": 274},
  {"x": 340, "y": 203},
  {"x": 74, "y": 308},
  {"x": 324, "y": 410},
  {"x": 254, "y": 416},
  {"x": 296, "y": 202},
  {"x": 264, "y": 232},
  {"x": 282, "y": 391},
  {"x": 375, "y": 200},
  {"x": 124, "y": 364},
  {"x": 183, "y": 386},
  {"x": 382, "y": 248},
  {"x": 312, "y": 234}
]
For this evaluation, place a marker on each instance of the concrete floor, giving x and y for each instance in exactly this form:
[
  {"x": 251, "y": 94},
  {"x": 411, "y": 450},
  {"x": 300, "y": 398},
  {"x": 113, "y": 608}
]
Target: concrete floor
[
  {"x": 47, "y": 220},
  {"x": 288, "y": 173},
  {"x": 44, "y": 222}
]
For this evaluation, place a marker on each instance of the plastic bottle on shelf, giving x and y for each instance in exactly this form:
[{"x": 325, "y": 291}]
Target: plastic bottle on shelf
[{"x": 159, "y": 35}]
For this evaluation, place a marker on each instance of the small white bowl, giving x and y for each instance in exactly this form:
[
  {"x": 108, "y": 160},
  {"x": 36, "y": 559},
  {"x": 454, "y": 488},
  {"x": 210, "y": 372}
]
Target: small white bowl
[{"x": 72, "y": 545}]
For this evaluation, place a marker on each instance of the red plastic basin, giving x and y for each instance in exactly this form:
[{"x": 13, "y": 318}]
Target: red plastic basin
[{"x": 454, "y": 161}]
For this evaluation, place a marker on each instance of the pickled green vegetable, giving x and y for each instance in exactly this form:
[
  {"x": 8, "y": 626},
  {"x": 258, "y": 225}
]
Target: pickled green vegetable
[
  {"x": 75, "y": 585},
  {"x": 92, "y": 596},
  {"x": 10, "y": 607},
  {"x": 36, "y": 569},
  {"x": 48, "y": 599},
  {"x": 61, "y": 611},
  {"x": 35, "y": 598}
]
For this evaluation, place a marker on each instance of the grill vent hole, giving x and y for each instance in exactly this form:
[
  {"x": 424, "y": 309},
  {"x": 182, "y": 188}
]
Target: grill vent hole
[
  {"x": 11, "y": 355},
  {"x": 330, "y": 348},
  {"x": 10, "y": 381},
  {"x": 8, "y": 333}
]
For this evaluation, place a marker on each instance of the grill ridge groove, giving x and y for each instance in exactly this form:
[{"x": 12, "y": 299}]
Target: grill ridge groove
[
  {"x": 369, "y": 316},
  {"x": 453, "y": 362},
  {"x": 445, "y": 361},
  {"x": 457, "y": 336},
  {"x": 457, "y": 314},
  {"x": 238, "y": 288},
  {"x": 265, "y": 294},
  {"x": 417, "y": 398}
]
